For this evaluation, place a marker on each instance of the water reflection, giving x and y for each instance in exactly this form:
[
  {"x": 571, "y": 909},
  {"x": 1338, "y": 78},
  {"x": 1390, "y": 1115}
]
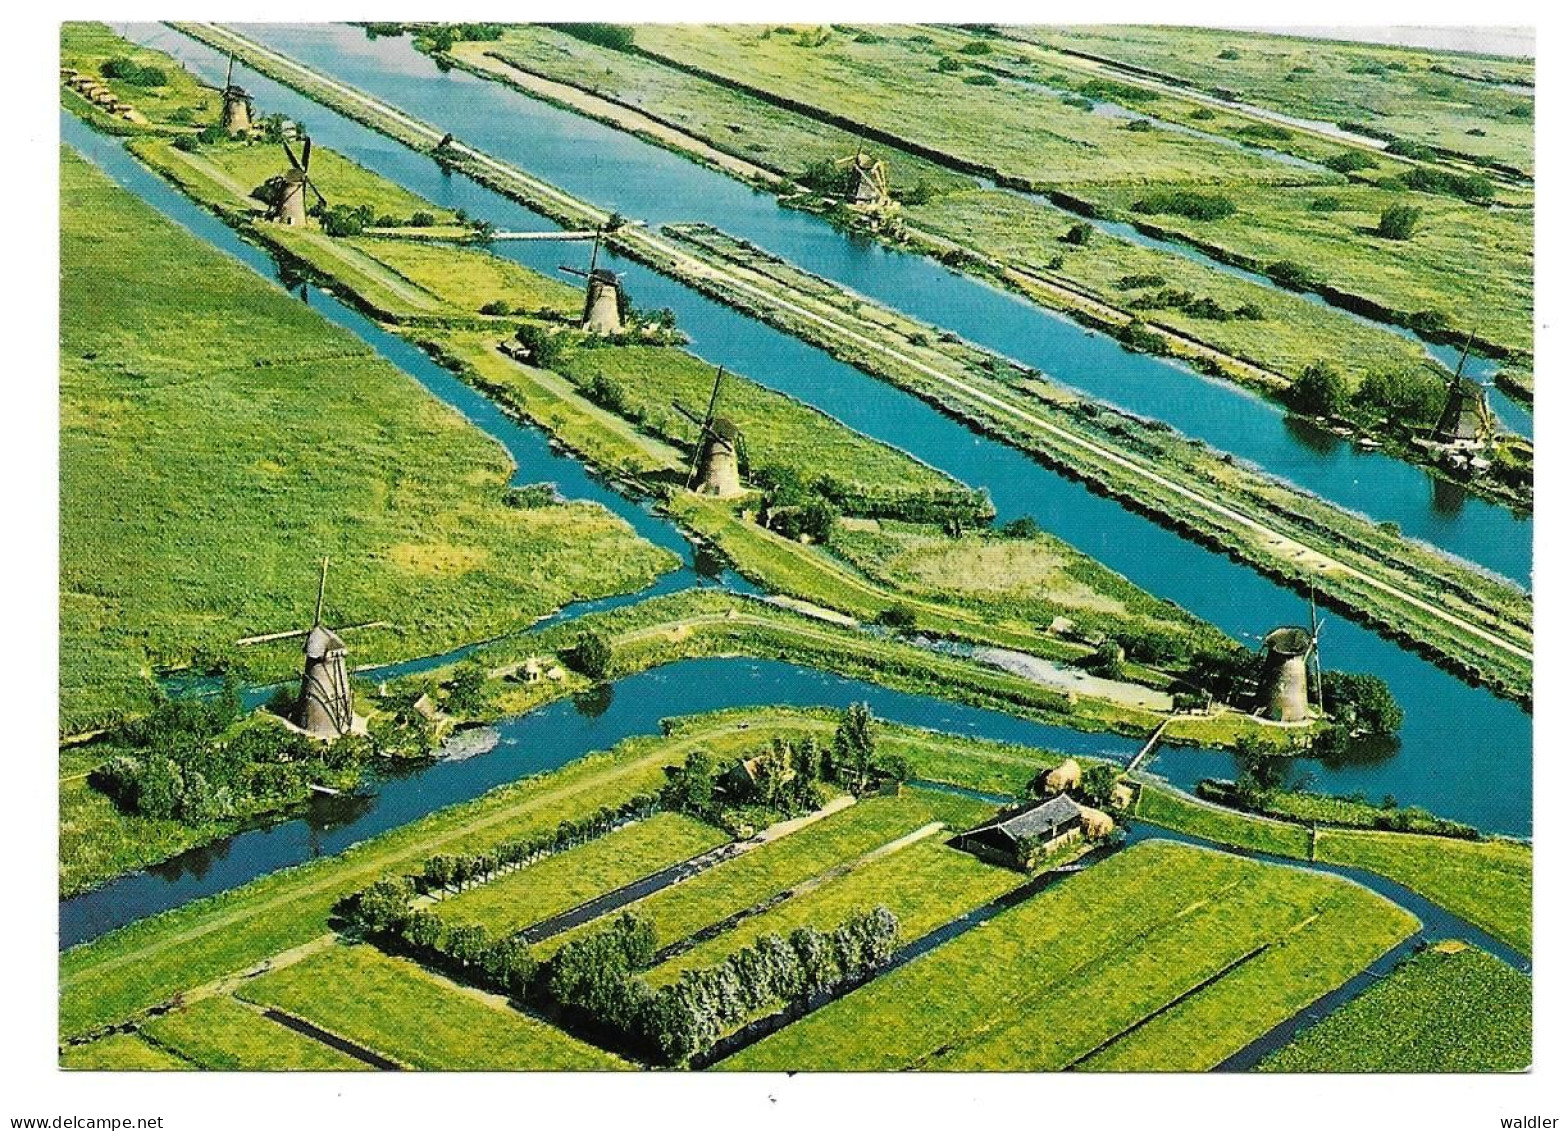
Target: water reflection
[{"x": 595, "y": 701}]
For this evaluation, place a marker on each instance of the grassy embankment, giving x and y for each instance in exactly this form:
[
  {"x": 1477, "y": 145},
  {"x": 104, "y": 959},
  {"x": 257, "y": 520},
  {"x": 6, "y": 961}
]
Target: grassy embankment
[
  {"x": 1031, "y": 137},
  {"x": 172, "y": 551},
  {"x": 221, "y": 1034},
  {"x": 1471, "y": 641},
  {"x": 1485, "y": 882},
  {"x": 1161, "y": 958},
  {"x": 1448, "y": 1009}
]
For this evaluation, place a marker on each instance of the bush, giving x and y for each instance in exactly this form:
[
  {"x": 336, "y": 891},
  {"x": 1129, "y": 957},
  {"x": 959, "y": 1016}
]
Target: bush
[
  {"x": 1136, "y": 335},
  {"x": 1398, "y": 222},
  {"x": 981, "y": 79},
  {"x": 1079, "y": 234},
  {"x": 1138, "y": 282},
  {"x": 1184, "y": 202},
  {"x": 617, "y": 37},
  {"x": 543, "y": 348},
  {"x": 422, "y": 220},
  {"x": 1022, "y": 528},
  {"x": 1140, "y": 125},
  {"x": 128, "y": 71},
  {"x": 975, "y": 47},
  {"x": 1291, "y": 276},
  {"x": 499, "y": 306},
  {"x": 1466, "y": 186},
  {"x": 1349, "y": 161},
  {"x": 898, "y": 617}
]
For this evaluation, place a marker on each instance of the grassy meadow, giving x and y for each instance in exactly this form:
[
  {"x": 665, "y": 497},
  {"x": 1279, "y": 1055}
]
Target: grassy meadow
[
  {"x": 413, "y": 1017},
  {"x": 1449, "y": 1008},
  {"x": 218, "y": 438},
  {"x": 222, "y": 1034},
  {"x": 1069, "y": 974}
]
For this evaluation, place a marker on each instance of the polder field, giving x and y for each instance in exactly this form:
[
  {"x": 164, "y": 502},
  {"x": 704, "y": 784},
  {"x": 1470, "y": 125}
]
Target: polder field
[
  {"x": 1190, "y": 953},
  {"x": 726, "y": 812},
  {"x": 1063, "y": 127}
]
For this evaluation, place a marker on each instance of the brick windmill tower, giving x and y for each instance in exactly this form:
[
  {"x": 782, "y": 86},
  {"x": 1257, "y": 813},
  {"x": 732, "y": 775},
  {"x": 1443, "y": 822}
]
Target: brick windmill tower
[
  {"x": 326, "y": 702},
  {"x": 602, "y": 299}
]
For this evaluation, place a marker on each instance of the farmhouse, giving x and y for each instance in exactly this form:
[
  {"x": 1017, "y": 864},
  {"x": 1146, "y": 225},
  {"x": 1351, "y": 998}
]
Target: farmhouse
[{"x": 1024, "y": 837}]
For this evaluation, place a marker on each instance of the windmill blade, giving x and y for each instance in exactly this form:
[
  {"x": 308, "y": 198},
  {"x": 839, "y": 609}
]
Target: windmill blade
[
  {"x": 228, "y": 80},
  {"x": 689, "y": 415},
  {"x": 294, "y": 161},
  {"x": 305, "y": 157},
  {"x": 578, "y": 271},
  {"x": 713, "y": 401},
  {"x": 312, "y": 186},
  {"x": 1463, "y": 355}
]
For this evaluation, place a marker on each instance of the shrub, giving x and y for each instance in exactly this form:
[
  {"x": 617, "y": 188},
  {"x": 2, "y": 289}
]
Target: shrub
[
  {"x": 129, "y": 71},
  {"x": 1349, "y": 161},
  {"x": 1230, "y": 53},
  {"x": 981, "y": 79},
  {"x": 1137, "y": 282},
  {"x": 422, "y": 220},
  {"x": 1136, "y": 335},
  {"x": 899, "y": 617},
  {"x": 975, "y": 47},
  {"x": 1291, "y": 276},
  {"x": 1325, "y": 204},
  {"x": 1185, "y": 202},
  {"x": 1398, "y": 222},
  {"x": 1022, "y": 528},
  {"x": 498, "y": 306},
  {"x": 1079, "y": 234},
  {"x": 543, "y": 348},
  {"x": 1140, "y": 125}
]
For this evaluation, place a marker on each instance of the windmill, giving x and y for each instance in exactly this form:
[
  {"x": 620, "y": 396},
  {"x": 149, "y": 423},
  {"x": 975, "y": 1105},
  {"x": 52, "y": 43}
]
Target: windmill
[
  {"x": 715, "y": 465},
  {"x": 870, "y": 188},
  {"x": 236, "y": 105},
  {"x": 602, "y": 298},
  {"x": 289, "y": 205},
  {"x": 326, "y": 704},
  {"x": 1466, "y": 421}
]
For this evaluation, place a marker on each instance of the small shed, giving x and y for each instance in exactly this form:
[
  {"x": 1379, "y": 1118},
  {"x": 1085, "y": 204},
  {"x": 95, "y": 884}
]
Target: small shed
[
  {"x": 1121, "y": 795},
  {"x": 1021, "y": 838},
  {"x": 1064, "y": 777},
  {"x": 555, "y": 674},
  {"x": 532, "y": 672}
]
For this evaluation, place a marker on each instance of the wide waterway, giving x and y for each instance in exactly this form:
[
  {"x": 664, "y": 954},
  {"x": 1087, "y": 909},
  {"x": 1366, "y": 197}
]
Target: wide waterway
[
  {"x": 1465, "y": 753},
  {"x": 617, "y": 170}
]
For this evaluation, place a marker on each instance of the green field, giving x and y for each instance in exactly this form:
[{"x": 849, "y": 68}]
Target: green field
[
  {"x": 396, "y": 1008},
  {"x": 180, "y": 103},
  {"x": 678, "y": 911},
  {"x": 1470, "y": 264},
  {"x": 1046, "y": 984},
  {"x": 120, "y": 1052},
  {"x": 1485, "y": 882},
  {"x": 1433, "y": 97},
  {"x": 311, "y": 446},
  {"x": 925, "y": 884},
  {"x": 1448, "y": 1009},
  {"x": 559, "y": 883},
  {"x": 220, "y": 1033}
]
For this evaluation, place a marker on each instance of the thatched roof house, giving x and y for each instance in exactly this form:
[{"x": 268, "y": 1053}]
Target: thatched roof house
[{"x": 1097, "y": 825}]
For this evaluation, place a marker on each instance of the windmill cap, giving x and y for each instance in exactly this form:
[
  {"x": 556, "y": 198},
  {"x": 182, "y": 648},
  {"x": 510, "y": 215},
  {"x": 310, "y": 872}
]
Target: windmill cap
[
  {"x": 725, "y": 428},
  {"x": 321, "y": 641},
  {"x": 1289, "y": 640}
]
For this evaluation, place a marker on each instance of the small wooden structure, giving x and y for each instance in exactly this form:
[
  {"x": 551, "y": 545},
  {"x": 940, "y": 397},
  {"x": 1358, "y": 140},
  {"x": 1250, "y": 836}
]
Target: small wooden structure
[{"x": 1064, "y": 777}]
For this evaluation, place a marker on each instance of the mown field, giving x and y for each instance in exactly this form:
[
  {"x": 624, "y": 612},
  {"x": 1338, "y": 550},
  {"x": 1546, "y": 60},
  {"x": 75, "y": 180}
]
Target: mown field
[
  {"x": 1488, "y": 883},
  {"x": 309, "y": 445},
  {"x": 1455, "y": 101},
  {"x": 925, "y": 884},
  {"x": 1132, "y": 960},
  {"x": 1448, "y": 1009},
  {"x": 557, "y": 884},
  {"x": 780, "y": 865},
  {"x": 222, "y": 1034},
  {"x": 179, "y": 102},
  {"x": 396, "y": 1008}
]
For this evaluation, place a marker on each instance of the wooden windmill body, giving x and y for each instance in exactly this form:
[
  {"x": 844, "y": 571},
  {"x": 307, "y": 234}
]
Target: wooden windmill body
[
  {"x": 289, "y": 207},
  {"x": 602, "y": 295},
  {"x": 715, "y": 468}
]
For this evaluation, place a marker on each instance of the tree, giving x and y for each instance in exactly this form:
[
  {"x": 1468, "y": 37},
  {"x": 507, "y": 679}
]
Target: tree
[
  {"x": 1321, "y": 390},
  {"x": 1398, "y": 222},
  {"x": 689, "y": 788},
  {"x": 1079, "y": 234},
  {"x": 854, "y": 748},
  {"x": 465, "y": 690},
  {"x": 1291, "y": 276},
  {"x": 439, "y": 872},
  {"x": 1021, "y": 528},
  {"x": 1362, "y": 702},
  {"x": 1097, "y": 784},
  {"x": 898, "y": 617},
  {"x": 591, "y": 655}
]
